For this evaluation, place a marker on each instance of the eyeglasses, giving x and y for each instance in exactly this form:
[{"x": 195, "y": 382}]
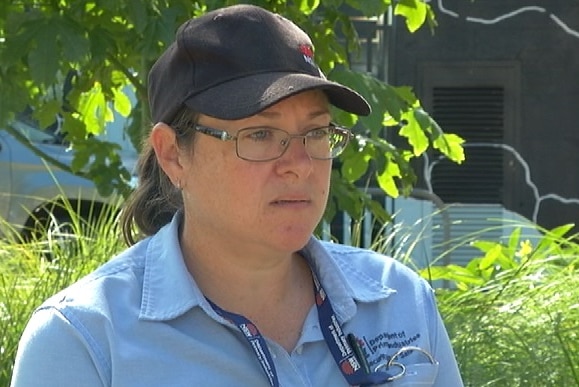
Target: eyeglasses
[{"x": 265, "y": 143}]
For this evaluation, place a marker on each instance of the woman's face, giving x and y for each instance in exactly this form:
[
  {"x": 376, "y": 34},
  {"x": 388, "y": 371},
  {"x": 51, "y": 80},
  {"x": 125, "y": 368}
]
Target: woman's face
[{"x": 266, "y": 205}]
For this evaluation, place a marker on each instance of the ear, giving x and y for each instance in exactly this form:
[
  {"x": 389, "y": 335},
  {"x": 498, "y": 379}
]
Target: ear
[{"x": 164, "y": 142}]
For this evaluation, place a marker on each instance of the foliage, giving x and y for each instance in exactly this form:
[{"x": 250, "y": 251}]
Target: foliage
[
  {"x": 514, "y": 313},
  {"x": 101, "y": 51},
  {"x": 33, "y": 271}
]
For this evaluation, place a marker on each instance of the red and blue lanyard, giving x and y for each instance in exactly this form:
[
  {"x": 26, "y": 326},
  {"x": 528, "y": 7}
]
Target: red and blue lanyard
[{"x": 351, "y": 363}]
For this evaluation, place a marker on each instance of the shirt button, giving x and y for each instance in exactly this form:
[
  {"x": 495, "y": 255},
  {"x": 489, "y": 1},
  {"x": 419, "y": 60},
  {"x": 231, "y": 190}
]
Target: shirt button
[{"x": 299, "y": 349}]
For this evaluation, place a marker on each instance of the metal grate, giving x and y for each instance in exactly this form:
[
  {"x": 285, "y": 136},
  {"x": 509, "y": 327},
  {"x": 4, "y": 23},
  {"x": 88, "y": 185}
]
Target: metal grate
[{"x": 477, "y": 115}]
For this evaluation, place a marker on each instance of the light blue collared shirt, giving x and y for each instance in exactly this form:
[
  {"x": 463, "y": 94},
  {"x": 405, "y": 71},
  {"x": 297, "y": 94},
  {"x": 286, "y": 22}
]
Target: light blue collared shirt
[{"x": 140, "y": 320}]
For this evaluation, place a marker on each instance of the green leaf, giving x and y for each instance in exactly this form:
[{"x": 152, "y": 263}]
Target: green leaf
[
  {"x": 73, "y": 127},
  {"x": 346, "y": 196},
  {"x": 514, "y": 238},
  {"x": 391, "y": 102},
  {"x": 43, "y": 59},
  {"x": 473, "y": 265},
  {"x": 100, "y": 41},
  {"x": 406, "y": 94},
  {"x": 507, "y": 260},
  {"x": 560, "y": 231},
  {"x": 490, "y": 257},
  {"x": 484, "y": 246},
  {"x": 46, "y": 113},
  {"x": 118, "y": 78},
  {"x": 495, "y": 255},
  {"x": 80, "y": 159},
  {"x": 137, "y": 14},
  {"x": 415, "y": 134},
  {"x": 354, "y": 165},
  {"x": 369, "y": 87},
  {"x": 458, "y": 274},
  {"x": 370, "y": 7},
  {"x": 122, "y": 103},
  {"x": 75, "y": 45},
  {"x": 414, "y": 11},
  {"x": 307, "y": 6},
  {"x": 386, "y": 179},
  {"x": 94, "y": 110},
  {"x": 451, "y": 146},
  {"x": 18, "y": 46}
]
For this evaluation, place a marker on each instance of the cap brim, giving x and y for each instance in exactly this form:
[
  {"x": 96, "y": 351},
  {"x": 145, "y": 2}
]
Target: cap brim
[{"x": 244, "y": 97}]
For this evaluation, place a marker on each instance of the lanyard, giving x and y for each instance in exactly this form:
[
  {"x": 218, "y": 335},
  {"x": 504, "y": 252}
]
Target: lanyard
[
  {"x": 347, "y": 360},
  {"x": 255, "y": 340}
]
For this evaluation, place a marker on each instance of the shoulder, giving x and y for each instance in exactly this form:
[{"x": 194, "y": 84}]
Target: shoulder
[
  {"x": 73, "y": 327},
  {"x": 352, "y": 274},
  {"x": 365, "y": 265},
  {"x": 115, "y": 282}
]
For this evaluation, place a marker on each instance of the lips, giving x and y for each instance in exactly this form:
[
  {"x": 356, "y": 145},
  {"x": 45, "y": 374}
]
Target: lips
[
  {"x": 290, "y": 201},
  {"x": 291, "y": 196}
]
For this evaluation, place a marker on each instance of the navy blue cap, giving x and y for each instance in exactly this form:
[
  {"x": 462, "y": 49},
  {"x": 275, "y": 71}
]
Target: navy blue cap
[{"x": 234, "y": 62}]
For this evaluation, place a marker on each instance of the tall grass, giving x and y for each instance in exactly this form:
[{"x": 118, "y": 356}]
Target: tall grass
[
  {"x": 514, "y": 315},
  {"x": 512, "y": 312},
  {"x": 32, "y": 271}
]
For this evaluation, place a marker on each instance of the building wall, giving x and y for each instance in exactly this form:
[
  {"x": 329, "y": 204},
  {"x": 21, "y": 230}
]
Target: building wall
[{"x": 538, "y": 42}]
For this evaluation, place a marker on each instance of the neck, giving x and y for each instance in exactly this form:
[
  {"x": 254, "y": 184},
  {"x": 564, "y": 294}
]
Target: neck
[
  {"x": 274, "y": 290},
  {"x": 238, "y": 281}
]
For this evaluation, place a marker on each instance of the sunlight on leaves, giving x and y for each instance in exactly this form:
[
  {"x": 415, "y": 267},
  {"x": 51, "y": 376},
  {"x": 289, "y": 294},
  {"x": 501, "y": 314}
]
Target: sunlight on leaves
[
  {"x": 415, "y": 135},
  {"x": 414, "y": 11},
  {"x": 94, "y": 110},
  {"x": 307, "y": 6}
]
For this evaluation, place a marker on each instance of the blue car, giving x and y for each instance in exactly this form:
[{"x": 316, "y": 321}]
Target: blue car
[{"x": 33, "y": 193}]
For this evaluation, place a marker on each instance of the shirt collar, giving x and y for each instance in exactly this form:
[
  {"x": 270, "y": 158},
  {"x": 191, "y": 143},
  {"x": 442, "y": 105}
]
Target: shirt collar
[
  {"x": 169, "y": 290},
  {"x": 343, "y": 276}
]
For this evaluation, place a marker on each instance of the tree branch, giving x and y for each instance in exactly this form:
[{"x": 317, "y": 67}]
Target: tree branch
[{"x": 30, "y": 146}]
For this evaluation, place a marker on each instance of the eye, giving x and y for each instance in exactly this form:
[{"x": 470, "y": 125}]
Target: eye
[
  {"x": 258, "y": 134},
  {"x": 319, "y": 133}
]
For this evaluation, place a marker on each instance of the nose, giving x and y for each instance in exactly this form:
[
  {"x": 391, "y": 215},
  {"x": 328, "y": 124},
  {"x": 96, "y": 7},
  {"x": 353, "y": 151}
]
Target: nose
[
  {"x": 286, "y": 144},
  {"x": 295, "y": 158},
  {"x": 286, "y": 141}
]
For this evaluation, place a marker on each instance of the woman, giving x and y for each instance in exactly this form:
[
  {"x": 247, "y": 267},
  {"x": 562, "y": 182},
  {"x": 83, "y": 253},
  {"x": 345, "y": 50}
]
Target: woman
[{"x": 228, "y": 287}]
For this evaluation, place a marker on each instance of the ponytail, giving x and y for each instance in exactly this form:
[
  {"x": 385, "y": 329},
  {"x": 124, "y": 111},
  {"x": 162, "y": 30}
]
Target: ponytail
[{"x": 155, "y": 200}]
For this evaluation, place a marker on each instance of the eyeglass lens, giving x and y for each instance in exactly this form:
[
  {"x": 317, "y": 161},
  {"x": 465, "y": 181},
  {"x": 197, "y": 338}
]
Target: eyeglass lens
[{"x": 262, "y": 144}]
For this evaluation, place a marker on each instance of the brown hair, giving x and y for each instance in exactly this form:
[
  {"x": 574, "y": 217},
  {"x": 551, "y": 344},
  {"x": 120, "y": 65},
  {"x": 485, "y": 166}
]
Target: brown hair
[{"x": 155, "y": 200}]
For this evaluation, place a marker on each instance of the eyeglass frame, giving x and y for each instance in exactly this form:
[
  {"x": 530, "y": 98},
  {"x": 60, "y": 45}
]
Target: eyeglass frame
[{"x": 223, "y": 135}]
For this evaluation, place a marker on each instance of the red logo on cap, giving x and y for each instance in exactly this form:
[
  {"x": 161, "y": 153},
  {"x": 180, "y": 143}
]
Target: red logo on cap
[{"x": 307, "y": 50}]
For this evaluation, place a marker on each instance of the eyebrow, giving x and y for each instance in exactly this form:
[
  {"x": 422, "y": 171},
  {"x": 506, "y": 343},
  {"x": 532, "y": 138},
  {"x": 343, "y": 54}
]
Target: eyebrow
[{"x": 313, "y": 114}]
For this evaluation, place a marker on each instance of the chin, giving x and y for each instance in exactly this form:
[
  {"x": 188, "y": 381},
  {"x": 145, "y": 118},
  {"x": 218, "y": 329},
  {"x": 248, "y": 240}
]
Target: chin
[{"x": 292, "y": 241}]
